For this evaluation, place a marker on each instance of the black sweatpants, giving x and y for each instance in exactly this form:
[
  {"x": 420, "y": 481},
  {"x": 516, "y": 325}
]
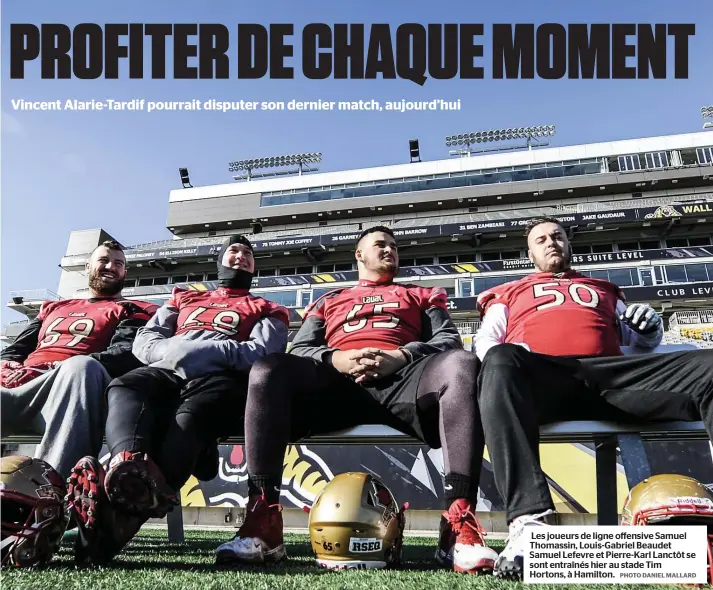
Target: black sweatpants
[
  {"x": 433, "y": 399},
  {"x": 154, "y": 411},
  {"x": 520, "y": 390}
]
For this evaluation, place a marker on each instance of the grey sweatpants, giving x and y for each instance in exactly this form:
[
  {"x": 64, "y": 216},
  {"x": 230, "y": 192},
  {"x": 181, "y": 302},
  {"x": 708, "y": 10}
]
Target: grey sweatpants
[{"x": 67, "y": 406}]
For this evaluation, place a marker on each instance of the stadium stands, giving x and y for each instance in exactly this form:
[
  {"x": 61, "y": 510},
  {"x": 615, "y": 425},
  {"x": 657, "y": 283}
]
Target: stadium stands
[
  {"x": 690, "y": 327},
  {"x": 509, "y": 213}
]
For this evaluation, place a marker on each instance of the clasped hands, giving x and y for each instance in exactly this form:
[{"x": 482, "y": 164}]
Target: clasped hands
[{"x": 368, "y": 364}]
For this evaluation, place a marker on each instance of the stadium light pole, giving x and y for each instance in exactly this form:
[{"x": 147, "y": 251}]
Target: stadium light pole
[
  {"x": 492, "y": 135},
  {"x": 300, "y": 160},
  {"x": 185, "y": 179},
  {"x": 707, "y": 113}
]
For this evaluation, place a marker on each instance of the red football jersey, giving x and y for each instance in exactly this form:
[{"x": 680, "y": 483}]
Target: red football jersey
[
  {"x": 370, "y": 314},
  {"x": 567, "y": 314},
  {"x": 233, "y": 312},
  {"x": 82, "y": 326}
]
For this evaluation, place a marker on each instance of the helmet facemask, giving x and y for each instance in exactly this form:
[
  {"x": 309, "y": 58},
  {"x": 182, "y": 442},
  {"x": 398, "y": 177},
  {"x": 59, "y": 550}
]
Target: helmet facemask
[{"x": 33, "y": 515}]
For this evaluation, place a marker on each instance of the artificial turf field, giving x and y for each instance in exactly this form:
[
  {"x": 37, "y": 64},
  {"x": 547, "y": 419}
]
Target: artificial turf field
[{"x": 150, "y": 562}]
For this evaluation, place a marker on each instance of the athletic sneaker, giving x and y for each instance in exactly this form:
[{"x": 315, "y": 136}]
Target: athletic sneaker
[
  {"x": 510, "y": 561},
  {"x": 102, "y": 532},
  {"x": 259, "y": 539},
  {"x": 462, "y": 541},
  {"x": 135, "y": 484}
]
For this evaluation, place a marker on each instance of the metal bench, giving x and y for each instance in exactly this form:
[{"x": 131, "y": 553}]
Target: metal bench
[{"x": 605, "y": 436}]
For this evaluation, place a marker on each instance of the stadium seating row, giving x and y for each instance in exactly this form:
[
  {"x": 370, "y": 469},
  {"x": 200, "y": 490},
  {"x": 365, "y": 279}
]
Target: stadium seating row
[{"x": 445, "y": 219}]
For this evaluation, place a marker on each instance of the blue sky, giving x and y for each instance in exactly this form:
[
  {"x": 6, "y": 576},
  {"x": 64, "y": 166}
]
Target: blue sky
[{"x": 64, "y": 171}]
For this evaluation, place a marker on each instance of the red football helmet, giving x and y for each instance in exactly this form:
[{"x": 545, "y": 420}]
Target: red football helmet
[{"x": 33, "y": 517}]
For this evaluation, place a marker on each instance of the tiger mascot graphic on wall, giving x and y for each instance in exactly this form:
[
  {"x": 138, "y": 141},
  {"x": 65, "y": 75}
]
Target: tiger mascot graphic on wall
[{"x": 305, "y": 474}]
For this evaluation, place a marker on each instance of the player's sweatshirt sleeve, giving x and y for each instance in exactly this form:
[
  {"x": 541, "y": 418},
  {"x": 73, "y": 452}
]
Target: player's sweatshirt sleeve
[
  {"x": 25, "y": 344},
  {"x": 118, "y": 357},
  {"x": 310, "y": 340},
  {"x": 493, "y": 329},
  {"x": 268, "y": 336},
  {"x": 438, "y": 332},
  {"x": 152, "y": 340}
]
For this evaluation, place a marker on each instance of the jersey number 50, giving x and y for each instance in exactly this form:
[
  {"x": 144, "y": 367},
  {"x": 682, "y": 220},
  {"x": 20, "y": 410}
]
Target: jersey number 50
[
  {"x": 378, "y": 310},
  {"x": 543, "y": 290}
]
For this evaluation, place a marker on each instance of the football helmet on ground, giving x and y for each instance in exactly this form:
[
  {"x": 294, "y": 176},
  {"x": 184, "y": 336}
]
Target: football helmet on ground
[
  {"x": 355, "y": 523},
  {"x": 33, "y": 517}
]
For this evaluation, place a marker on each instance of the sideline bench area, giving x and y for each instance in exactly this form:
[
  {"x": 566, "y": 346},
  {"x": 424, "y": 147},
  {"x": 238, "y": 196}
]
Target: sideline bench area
[{"x": 606, "y": 437}]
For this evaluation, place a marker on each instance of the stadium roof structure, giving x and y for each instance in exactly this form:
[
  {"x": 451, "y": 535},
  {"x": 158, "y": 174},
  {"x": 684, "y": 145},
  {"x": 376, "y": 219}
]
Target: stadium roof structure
[
  {"x": 491, "y": 179},
  {"x": 475, "y": 162}
]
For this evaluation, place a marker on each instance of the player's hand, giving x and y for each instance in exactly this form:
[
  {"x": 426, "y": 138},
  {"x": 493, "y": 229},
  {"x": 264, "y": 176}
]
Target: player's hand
[
  {"x": 10, "y": 365},
  {"x": 10, "y": 378},
  {"x": 9, "y": 372},
  {"x": 348, "y": 361},
  {"x": 641, "y": 318},
  {"x": 386, "y": 363}
]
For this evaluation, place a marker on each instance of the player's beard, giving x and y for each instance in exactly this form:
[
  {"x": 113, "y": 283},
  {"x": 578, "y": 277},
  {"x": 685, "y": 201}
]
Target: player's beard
[
  {"x": 560, "y": 265},
  {"x": 105, "y": 289},
  {"x": 385, "y": 267}
]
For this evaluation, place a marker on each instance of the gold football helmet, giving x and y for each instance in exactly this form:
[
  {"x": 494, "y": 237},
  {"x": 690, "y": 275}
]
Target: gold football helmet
[
  {"x": 33, "y": 517},
  {"x": 671, "y": 499},
  {"x": 355, "y": 523}
]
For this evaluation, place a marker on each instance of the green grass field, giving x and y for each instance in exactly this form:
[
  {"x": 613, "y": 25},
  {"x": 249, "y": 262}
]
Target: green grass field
[{"x": 150, "y": 562}]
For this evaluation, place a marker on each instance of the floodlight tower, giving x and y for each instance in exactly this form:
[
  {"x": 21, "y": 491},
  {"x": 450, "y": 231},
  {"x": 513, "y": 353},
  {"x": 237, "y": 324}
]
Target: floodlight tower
[
  {"x": 300, "y": 160},
  {"x": 707, "y": 113},
  {"x": 491, "y": 135}
]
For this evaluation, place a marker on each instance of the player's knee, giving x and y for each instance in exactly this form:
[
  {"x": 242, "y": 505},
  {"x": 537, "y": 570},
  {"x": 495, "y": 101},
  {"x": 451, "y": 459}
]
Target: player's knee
[
  {"x": 460, "y": 365},
  {"x": 504, "y": 354},
  {"x": 141, "y": 379},
  {"x": 268, "y": 368},
  {"x": 83, "y": 366},
  {"x": 704, "y": 360},
  {"x": 700, "y": 363}
]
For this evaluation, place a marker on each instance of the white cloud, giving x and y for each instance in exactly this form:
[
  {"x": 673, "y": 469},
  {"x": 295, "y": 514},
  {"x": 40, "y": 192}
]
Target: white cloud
[{"x": 10, "y": 124}]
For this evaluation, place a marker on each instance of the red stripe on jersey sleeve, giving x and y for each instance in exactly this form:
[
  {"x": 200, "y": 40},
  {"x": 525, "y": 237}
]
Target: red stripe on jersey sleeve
[
  {"x": 496, "y": 295},
  {"x": 485, "y": 299},
  {"x": 139, "y": 310},
  {"x": 278, "y": 312},
  {"x": 316, "y": 307},
  {"x": 176, "y": 296},
  {"x": 46, "y": 309},
  {"x": 437, "y": 298}
]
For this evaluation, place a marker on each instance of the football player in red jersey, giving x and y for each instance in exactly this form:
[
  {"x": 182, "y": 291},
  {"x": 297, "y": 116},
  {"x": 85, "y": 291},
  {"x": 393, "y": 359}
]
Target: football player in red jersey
[
  {"x": 550, "y": 345},
  {"x": 55, "y": 373},
  {"x": 380, "y": 352},
  {"x": 198, "y": 349}
]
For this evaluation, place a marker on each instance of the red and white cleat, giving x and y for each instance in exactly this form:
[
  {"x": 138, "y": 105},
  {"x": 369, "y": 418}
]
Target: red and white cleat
[
  {"x": 85, "y": 491},
  {"x": 102, "y": 531},
  {"x": 470, "y": 554},
  {"x": 135, "y": 484},
  {"x": 259, "y": 539}
]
